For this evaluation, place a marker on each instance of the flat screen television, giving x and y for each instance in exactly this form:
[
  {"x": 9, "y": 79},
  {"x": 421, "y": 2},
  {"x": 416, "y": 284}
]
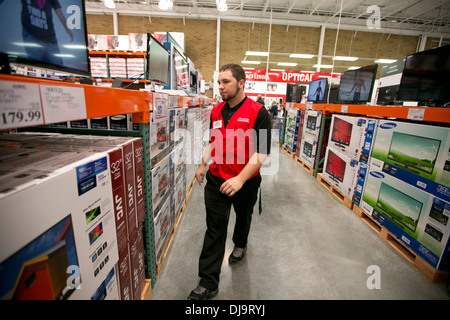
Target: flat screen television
[
  {"x": 356, "y": 85},
  {"x": 335, "y": 166},
  {"x": 389, "y": 82},
  {"x": 341, "y": 132},
  {"x": 181, "y": 70},
  {"x": 399, "y": 207},
  {"x": 413, "y": 153},
  {"x": 317, "y": 90},
  {"x": 45, "y": 34},
  {"x": 158, "y": 61},
  {"x": 425, "y": 77},
  {"x": 294, "y": 92}
]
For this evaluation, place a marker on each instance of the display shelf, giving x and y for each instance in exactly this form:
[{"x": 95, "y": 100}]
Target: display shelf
[
  {"x": 117, "y": 53},
  {"x": 411, "y": 113}
]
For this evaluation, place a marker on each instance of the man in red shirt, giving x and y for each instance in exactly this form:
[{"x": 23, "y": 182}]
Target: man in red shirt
[{"x": 240, "y": 142}]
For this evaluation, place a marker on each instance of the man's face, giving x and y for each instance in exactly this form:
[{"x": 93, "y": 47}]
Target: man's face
[{"x": 229, "y": 87}]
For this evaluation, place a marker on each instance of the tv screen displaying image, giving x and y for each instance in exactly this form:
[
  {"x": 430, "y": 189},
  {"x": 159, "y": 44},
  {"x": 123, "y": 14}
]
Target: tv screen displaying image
[
  {"x": 398, "y": 207},
  {"x": 158, "y": 61},
  {"x": 46, "y": 34},
  {"x": 180, "y": 69},
  {"x": 311, "y": 122},
  {"x": 317, "y": 90},
  {"x": 335, "y": 166},
  {"x": 38, "y": 270},
  {"x": 413, "y": 153},
  {"x": 425, "y": 77},
  {"x": 357, "y": 85},
  {"x": 294, "y": 92},
  {"x": 341, "y": 132}
]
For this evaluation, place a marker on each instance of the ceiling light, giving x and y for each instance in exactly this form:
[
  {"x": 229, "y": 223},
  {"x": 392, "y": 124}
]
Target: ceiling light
[
  {"x": 384, "y": 61},
  {"x": 342, "y": 58},
  {"x": 322, "y": 66},
  {"x": 353, "y": 68},
  {"x": 256, "y": 53},
  {"x": 110, "y": 4},
  {"x": 165, "y": 4},
  {"x": 250, "y": 62},
  {"x": 301, "y": 55},
  {"x": 288, "y": 64},
  {"x": 222, "y": 6}
]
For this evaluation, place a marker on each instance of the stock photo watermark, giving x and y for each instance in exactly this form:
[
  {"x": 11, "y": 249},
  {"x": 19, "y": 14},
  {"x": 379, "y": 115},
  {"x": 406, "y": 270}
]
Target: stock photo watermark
[{"x": 374, "y": 21}]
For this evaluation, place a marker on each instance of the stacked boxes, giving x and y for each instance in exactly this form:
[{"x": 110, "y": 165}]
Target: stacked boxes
[
  {"x": 291, "y": 133},
  {"x": 348, "y": 137},
  {"x": 300, "y": 131},
  {"x": 406, "y": 189},
  {"x": 71, "y": 195},
  {"x": 310, "y": 137}
]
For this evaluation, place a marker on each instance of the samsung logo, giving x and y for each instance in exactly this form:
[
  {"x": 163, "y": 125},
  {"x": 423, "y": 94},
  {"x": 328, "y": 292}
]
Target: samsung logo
[
  {"x": 377, "y": 174},
  {"x": 388, "y": 125}
]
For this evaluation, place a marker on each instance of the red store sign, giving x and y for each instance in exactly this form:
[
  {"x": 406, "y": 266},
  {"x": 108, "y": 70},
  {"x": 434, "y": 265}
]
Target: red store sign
[{"x": 287, "y": 76}]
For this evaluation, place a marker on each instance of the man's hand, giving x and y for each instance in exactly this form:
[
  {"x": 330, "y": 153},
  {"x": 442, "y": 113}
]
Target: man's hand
[
  {"x": 231, "y": 186},
  {"x": 200, "y": 173}
]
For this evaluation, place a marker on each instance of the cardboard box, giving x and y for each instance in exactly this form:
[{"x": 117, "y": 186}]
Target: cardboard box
[
  {"x": 70, "y": 220},
  {"x": 415, "y": 153},
  {"x": 419, "y": 219},
  {"x": 159, "y": 129},
  {"x": 340, "y": 171},
  {"x": 162, "y": 228},
  {"x": 310, "y": 137}
]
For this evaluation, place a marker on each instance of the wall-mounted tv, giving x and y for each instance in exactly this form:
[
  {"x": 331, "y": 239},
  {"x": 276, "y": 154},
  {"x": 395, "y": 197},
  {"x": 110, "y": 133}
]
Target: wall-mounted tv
[
  {"x": 158, "y": 61},
  {"x": 317, "y": 90},
  {"x": 399, "y": 207},
  {"x": 335, "y": 166},
  {"x": 45, "y": 34},
  {"x": 341, "y": 132},
  {"x": 425, "y": 77},
  {"x": 356, "y": 85},
  {"x": 413, "y": 153}
]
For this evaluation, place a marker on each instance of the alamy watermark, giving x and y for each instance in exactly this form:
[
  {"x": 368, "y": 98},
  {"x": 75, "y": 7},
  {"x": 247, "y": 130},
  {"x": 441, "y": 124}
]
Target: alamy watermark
[{"x": 374, "y": 21}]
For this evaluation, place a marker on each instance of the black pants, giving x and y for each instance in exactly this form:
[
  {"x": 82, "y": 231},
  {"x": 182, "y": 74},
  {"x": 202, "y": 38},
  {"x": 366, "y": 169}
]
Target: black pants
[{"x": 218, "y": 207}]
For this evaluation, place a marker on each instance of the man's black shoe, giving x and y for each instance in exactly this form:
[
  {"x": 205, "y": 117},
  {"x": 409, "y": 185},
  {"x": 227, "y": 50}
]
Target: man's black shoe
[
  {"x": 201, "y": 293},
  {"x": 237, "y": 255}
]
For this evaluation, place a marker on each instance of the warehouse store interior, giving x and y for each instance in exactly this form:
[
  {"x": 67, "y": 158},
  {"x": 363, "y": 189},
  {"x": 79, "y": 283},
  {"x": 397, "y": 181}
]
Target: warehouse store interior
[{"x": 109, "y": 105}]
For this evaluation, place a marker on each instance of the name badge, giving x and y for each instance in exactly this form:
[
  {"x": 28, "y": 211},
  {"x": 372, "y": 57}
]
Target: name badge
[{"x": 217, "y": 124}]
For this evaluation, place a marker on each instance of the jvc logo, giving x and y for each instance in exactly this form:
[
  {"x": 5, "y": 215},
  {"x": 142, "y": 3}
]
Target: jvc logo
[
  {"x": 119, "y": 207},
  {"x": 140, "y": 189}
]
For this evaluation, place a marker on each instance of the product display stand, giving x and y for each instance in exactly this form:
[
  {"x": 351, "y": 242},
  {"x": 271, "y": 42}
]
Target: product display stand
[{"x": 32, "y": 103}]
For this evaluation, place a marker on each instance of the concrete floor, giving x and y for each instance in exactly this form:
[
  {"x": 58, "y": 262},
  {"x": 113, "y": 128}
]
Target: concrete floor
[{"x": 305, "y": 245}]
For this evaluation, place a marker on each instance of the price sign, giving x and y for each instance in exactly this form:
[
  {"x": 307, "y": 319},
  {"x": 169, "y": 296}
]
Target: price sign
[
  {"x": 20, "y": 105},
  {"x": 63, "y": 103},
  {"x": 416, "y": 114}
]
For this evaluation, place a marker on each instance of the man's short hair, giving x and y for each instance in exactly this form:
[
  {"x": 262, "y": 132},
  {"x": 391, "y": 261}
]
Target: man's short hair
[{"x": 236, "y": 70}]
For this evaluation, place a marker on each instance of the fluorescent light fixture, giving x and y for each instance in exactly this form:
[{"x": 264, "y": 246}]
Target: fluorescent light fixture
[
  {"x": 110, "y": 4},
  {"x": 277, "y": 70},
  {"x": 64, "y": 55},
  {"x": 26, "y": 44},
  {"x": 287, "y": 64},
  {"x": 322, "y": 66},
  {"x": 301, "y": 55},
  {"x": 250, "y": 62},
  {"x": 165, "y": 4},
  {"x": 74, "y": 46},
  {"x": 353, "y": 68},
  {"x": 385, "y": 61},
  {"x": 222, "y": 6},
  {"x": 256, "y": 53},
  {"x": 342, "y": 58}
]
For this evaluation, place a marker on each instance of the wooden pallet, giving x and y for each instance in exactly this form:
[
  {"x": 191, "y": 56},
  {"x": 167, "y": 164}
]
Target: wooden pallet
[
  {"x": 304, "y": 165},
  {"x": 337, "y": 193},
  {"x": 424, "y": 267},
  {"x": 290, "y": 153},
  {"x": 160, "y": 262},
  {"x": 146, "y": 290}
]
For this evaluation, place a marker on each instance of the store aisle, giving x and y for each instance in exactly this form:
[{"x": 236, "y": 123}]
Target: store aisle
[{"x": 305, "y": 245}]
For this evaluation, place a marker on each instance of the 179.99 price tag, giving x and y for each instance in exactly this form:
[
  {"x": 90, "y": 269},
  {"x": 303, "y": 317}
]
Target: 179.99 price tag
[{"x": 20, "y": 105}]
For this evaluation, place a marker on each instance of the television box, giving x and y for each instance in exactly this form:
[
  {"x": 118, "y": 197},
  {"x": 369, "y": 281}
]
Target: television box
[
  {"x": 137, "y": 263},
  {"x": 369, "y": 139},
  {"x": 159, "y": 128},
  {"x": 137, "y": 41},
  {"x": 290, "y": 141},
  {"x": 310, "y": 136},
  {"x": 119, "y": 43},
  {"x": 418, "y": 154},
  {"x": 108, "y": 289},
  {"x": 292, "y": 119},
  {"x": 347, "y": 135},
  {"x": 160, "y": 184},
  {"x": 69, "y": 220},
  {"x": 162, "y": 228},
  {"x": 121, "y": 122},
  {"x": 341, "y": 171},
  {"x": 300, "y": 131},
  {"x": 419, "y": 219}
]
